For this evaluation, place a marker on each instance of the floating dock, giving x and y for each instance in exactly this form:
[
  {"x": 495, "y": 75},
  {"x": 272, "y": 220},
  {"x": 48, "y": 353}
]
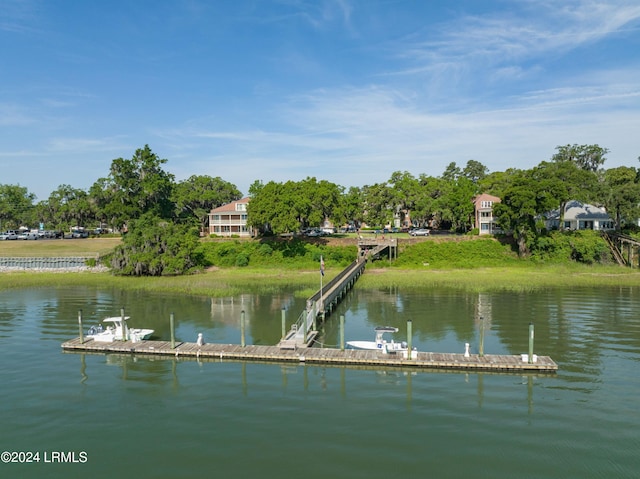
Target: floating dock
[{"x": 316, "y": 356}]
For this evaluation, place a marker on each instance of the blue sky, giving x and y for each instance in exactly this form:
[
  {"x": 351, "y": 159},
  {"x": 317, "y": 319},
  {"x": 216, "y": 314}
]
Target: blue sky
[{"x": 343, "y": 90}]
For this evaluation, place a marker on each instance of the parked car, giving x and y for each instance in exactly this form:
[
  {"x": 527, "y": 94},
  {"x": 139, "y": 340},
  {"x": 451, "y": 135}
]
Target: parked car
[
  {"x": 420, "y": 232},
  {"x": 9, "y": 235}
]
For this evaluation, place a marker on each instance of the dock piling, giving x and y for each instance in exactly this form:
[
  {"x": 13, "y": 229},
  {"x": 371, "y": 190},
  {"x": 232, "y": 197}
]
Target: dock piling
[
  {"x": 481, "y": 347},
  {"x": 124, "y": 325},
  {"x": 342, "y": 332},
  {"x": 530, "y": 343},
  {"x": 409, "y": 335},
  {"x": 304, "y": 329},
  {"x": 172, "y": 328},
  {"x": 80, "y": 326},
  {"x": 284, "y": 323},
  {"x": 242, "y": 341}
]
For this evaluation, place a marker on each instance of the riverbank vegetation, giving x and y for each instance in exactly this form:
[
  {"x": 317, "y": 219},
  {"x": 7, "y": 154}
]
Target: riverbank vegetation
[
  {"x": 480, "y": 264},
  {"x": 234, "y": 281}
]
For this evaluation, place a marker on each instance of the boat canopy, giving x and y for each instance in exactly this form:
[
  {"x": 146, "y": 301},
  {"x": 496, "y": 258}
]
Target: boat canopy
[
  {"x": 386, "y": 329},
  {"x": 115, "y": 319}
]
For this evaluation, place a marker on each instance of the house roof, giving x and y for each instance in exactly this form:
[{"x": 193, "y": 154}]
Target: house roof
[
  {"x": 486, "y": 197},
  {"x": 230, "y": 207},
  {"x": 575, "y": 210}
]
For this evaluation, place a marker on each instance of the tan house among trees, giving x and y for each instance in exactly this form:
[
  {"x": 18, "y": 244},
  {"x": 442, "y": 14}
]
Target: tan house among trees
[
  {"x": 230, "y": 219},
  {"x": 484, "y": 220}
]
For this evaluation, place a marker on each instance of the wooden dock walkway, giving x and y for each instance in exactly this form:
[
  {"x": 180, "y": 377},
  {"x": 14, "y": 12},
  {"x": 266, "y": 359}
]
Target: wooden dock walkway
[{"x": 318, "y": 356}]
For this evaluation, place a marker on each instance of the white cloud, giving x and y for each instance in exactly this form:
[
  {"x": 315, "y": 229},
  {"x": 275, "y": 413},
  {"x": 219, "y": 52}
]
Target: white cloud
[{"x": 14, "y": 115}]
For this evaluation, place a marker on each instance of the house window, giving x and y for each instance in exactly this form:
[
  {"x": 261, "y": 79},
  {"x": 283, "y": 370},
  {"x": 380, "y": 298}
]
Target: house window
[
  {"x": 484, "y": 226},
  {"x": 485, "y": 214},
  {"x": 486, "y": 204},
  {"x": 241, "y": 207}
]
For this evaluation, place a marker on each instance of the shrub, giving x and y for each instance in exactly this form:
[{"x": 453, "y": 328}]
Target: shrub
[{"x": 242, "y": 260}]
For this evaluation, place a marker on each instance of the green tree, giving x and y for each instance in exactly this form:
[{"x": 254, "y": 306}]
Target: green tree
[
  {"x": 405, "y": 193},
  {"x": 350, "y": 207},
  {"x": 495, "y": 183},
  {"x": 377, "y": 204},
  {"x": 456, "y": 205},
  {"x": 16, "y": 206},
  {"x": 154, "y": 246},
  {"x": 255, "y": 188},
  {"x": 321, "y": 201},
  {"x": 475, "y": 171},
  {"x": 274, "y": 208},
  {"x": 135, "y": 187},
  {"x": 428, "y": 205},
  {"x": 622, "y": 193},
  {"x": 587, "y": 157},
  {"x": 288, "y": 207},
  {"x": 522, "y": 204},
  {"x": 67, "y": 207},
  {"x": 451, "y": 172},
  {"x": 196, "y": 196}
]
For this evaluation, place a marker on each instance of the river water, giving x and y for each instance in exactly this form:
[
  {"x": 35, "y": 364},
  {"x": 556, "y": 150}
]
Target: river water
[{"x": 97, "y": 416}]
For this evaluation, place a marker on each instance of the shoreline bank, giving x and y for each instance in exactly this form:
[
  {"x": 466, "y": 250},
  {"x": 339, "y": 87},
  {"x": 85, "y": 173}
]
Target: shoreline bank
[{"x": 227, "y": 282}]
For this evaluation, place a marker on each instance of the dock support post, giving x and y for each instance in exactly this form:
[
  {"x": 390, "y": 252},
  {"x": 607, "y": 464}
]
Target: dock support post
[
  {"x": 124, "y": 325},
  {"x": 342, "y": 332},
  {"x": 304, "y": 327},
  {"x": 530, "y": 343},
  {"x": 409, "y": 335},
  {"x": 80, "y": 326},
  {"x": 284, "y": 322},
  {"x": 481, "y": 348},
  {"x": 242, "y": 343},
  {"x": 172, "y": 328}
]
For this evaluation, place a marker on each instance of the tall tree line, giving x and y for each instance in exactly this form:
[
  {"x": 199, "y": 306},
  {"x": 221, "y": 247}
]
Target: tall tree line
[
  {"x": 138, "y": 191},
  {"x": 132, "y": 188}
]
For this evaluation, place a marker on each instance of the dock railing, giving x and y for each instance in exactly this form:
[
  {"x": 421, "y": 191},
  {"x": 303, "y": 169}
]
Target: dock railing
[{"x": 319, "y": 303}]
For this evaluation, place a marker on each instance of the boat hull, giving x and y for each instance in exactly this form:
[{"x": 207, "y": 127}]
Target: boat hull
[{"x": 371, "y": 345}]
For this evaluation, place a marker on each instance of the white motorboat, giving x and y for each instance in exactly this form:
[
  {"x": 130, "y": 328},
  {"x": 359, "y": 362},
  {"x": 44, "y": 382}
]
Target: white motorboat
[
  {"x": 112, "y": 331},
  {"x": 380, "y": 343}
]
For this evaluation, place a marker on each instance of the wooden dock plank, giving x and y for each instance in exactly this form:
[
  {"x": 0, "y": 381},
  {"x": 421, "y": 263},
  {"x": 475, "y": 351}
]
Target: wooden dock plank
[{"x": 333, "y": 356}]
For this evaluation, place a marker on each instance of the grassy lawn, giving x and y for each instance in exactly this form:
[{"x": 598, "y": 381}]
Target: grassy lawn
[{"x": 53, "y": 248}]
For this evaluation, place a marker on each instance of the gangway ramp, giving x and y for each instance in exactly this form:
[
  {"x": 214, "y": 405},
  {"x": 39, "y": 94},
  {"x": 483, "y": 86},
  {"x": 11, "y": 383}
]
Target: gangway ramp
[{"x": 320, "y": 305}]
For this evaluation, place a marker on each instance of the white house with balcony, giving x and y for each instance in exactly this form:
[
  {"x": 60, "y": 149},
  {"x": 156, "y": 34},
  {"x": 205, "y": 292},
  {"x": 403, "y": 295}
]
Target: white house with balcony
[{"x": 230, "y": 219}]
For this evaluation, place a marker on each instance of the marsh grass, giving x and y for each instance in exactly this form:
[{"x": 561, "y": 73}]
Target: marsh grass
[
  {"x": 219, "y": 283},
  {"x": 304, "y": 283},
  {"x": 475, "y": 266},
  {"x": 517, "y": 279}
]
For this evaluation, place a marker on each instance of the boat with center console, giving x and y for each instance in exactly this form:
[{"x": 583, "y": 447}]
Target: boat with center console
[
  {"x": 113, "y": 331},
  {"x": 380, "y": 343}
]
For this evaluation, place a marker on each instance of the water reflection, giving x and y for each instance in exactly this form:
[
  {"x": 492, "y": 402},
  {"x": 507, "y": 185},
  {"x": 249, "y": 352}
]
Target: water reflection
[
  {"x": 154, "y": 371},
  {"x": 585, "y": 331},
  {"x": 449, "y": 423}
]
